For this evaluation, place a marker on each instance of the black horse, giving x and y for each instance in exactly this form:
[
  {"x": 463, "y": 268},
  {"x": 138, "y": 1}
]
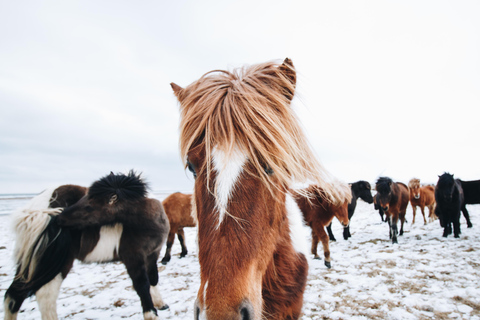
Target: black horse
[
  {"x": 113, "y": 220},
  {"x": 360, "y": 189},
  {"x": 471, "y": 193},
  {"x": 450, "y": 200}
]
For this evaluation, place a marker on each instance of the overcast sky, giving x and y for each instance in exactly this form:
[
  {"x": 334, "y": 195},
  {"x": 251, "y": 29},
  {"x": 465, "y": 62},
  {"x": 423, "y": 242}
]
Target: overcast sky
[{"x": 385, "y": 87}]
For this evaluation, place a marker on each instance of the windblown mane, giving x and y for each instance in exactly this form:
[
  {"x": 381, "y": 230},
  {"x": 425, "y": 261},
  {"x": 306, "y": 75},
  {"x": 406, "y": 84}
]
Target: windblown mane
[
  {"x": 414, "y": 183},
  {"x": 248, "y": 110},
  {"x": 126, "y": 186},
  {"x": 383, "y": 185}
]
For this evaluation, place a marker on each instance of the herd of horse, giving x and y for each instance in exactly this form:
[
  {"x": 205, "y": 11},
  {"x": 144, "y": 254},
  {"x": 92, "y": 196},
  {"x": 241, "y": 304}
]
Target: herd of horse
[{"x": 245, "y": 148}]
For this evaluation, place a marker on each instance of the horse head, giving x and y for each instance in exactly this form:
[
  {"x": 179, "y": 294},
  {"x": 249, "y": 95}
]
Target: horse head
[
  {"x": 109, "y": 200},
  {"x": 384, "y": 192},
  {"x": 241, "y": 141},
  {"x": 363, "y": 190},
  {"x": 414, "y": 187},
  {"x": 445, "y": 186}
]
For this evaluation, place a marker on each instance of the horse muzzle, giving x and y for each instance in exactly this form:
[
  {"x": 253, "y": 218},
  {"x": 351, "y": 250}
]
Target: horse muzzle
[{"x": 417, "y": 196}]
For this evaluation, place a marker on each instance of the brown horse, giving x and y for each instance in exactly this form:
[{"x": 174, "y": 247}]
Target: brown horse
[
  {"x": 422, "y": 196},
  {"x": 178, "y": 207},
  {"x": 318, "y": 213},
  {"x": 245, "y": 148},
  {"x": 393, "y": 198}
]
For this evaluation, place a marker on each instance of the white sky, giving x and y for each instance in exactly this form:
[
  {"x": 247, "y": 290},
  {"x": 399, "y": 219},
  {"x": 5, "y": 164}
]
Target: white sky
[{"x": 385, "y": 87}]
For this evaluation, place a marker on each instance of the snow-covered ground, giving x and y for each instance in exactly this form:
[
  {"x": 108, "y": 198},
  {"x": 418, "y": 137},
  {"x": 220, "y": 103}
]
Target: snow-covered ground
[{"x": 424, "y": 276}]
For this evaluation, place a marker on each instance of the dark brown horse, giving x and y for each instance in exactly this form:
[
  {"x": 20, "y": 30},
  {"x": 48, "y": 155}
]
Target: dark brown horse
[
  {"x": 319, "y": 212},
  {"x": 245, "y": 148},
  {"x": 178, "y": 207},
  {"x": 393, "y": 198},
  {"x": 113, "y": 221},
  {"x": 422, "y": 196}
]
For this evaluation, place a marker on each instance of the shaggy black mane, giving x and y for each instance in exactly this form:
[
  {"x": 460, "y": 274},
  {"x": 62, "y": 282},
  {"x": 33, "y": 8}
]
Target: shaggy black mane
[
  {"x": 126, "y": 187},
  {"x": 383, "y": 185},
  {"x": 444, "y": 178}
]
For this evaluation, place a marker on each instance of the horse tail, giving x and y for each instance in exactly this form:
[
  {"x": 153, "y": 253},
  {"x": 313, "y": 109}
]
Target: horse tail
[
  {"x": 32, "y": 239},
  {"x": 42, "y": 256}
]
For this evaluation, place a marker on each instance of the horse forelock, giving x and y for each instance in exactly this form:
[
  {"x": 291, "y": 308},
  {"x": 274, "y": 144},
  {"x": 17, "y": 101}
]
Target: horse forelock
[
  {"x": 383, "y": 185},
  {"x": 248, "y": 109},
  {"x": 129, "y": 186},
  {"x": 414, "y": 183},
  {"x": 445, "y": 178}
]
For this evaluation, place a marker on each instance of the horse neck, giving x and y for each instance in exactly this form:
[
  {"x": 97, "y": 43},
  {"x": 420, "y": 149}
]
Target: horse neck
[{"x": 235, "y": 252}]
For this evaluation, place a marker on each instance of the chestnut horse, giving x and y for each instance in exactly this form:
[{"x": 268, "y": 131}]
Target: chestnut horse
[
  {"x": 245, "y": 148},
  {"x": 318, "y": 213},
  {"x": 422, "y": 196},
  {"x": 178, "y": 207},
  {"x": 113, "y": 220},
  {"x": 393, "y": 198},
  {"x": 360, "y": 189}
]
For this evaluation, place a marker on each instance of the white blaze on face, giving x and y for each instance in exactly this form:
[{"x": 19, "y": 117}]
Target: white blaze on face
[
  {"x": 226, "y": 178},
  {"x": 297, "y": 230},
  {"x": 107, "y": 245}
]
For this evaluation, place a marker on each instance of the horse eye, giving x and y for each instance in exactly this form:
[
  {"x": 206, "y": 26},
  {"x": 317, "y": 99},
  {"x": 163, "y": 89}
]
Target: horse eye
[{"x": 191, "y": 168}]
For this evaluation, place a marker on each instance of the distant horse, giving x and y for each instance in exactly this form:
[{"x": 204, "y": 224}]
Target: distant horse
[
  {"x": 379, "y": 208},
  {"x": 243, "y": 143},
  {"x": 450, "y": 200},
  {"x": 360, "y": 189},
  {"x": 393, "y": 198},
  {"x": 318, "y": 213},
  {"x": 178, "y": 207},
  {"x": 471, "y": 192},
  {"x": 112, "y": 221},
  {"x": 421, "y": 196}
]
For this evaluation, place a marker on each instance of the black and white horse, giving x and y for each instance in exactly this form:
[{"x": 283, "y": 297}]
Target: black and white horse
[
  {"x": 113, "y": 220},
  {"x": 360, "y": 189}
]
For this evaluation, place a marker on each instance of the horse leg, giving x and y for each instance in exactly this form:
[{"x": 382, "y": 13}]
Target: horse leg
[
  {"x": 170, "y": 240},
  {"x": 47, "y": 298},
  {"x": 153, "y": 278},
  {"x": 394, "y": 228},
  {"x": 466, "y": 215},
  {"x": 326, "y": 247},
  {"x": 137, "y": 271},
  {"x": 414, "y": 209},
  {"x": 346, "y": 233},
  {"x": 402, "y": 216},
  {"x": 330, "y": 233},
  {"x": 422, "y": 208},
  {"x": 456, "y": 228},
  {"x": 315, "y": 241},
  {"x": 181, "y": 238}
]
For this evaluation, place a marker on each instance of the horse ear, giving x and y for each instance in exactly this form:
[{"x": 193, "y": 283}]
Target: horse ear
[
  {"x": 288, "y": 70},
  {"x": 113, "y": 199},
  {"x": 177, "y": 90}
]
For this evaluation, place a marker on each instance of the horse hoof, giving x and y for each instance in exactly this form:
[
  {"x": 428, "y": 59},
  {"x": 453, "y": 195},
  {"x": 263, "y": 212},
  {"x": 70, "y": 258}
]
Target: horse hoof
[
  {"x": 317, "y": 258},
  {"x": 165, "y": 307},
  {"x": 328, "y": 264},
  {"x": 164, "y": 262},
  {"x": 469, "y": 225}
]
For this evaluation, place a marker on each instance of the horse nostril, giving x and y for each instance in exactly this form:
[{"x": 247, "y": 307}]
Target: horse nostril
[
  {"x": 246, "y": 310},
  {"x": 245, "y": 314}
]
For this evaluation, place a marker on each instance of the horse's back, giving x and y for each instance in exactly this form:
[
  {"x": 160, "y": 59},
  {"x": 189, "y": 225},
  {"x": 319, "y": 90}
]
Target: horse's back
[
  {"x": 178, "y": 208},
  {"x": 403, "y": 196},
  {"x": 471, "y": 191}
]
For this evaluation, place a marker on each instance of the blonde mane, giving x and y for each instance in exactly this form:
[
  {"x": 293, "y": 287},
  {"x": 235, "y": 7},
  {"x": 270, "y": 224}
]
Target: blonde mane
[
  {"x": 248, "y": 109},
  {"x": 414, "y": 183}
]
